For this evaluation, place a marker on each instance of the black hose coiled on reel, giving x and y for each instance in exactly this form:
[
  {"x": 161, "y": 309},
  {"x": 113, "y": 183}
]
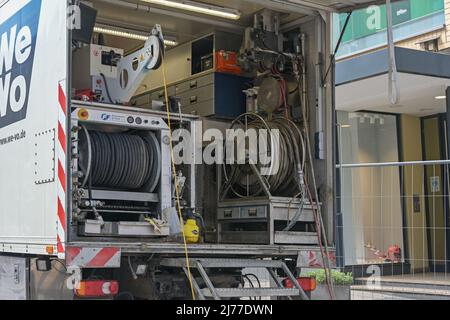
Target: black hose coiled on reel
[
  {"x": 291, "y": 155},
  {"x": 124, "y": 161}
]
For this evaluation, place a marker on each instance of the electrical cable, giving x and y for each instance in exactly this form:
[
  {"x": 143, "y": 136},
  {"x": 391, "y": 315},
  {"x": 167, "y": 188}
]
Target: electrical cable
[
  {"x": 106, "y": 87},
  {"x": 89, "y": 176},
  {"x": 247, "y": 276},
  {"x": 338, "y": 45},
  {"x": 202, "y": 222},
  {"x": 256, "y": 278},
  {"x": 60, "y": 262},
  {"x": 321, "y": 247},
  {"x": 133, "y": 273},
  {"x": 243, "y": 277},
  {"x": 89, "y": 146},
  {"x": 298, "y": 214},
  {"x": 316, "y": 209}
]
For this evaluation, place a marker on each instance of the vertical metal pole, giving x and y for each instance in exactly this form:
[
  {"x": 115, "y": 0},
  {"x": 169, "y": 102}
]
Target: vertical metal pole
[
  {"x": 196, "y": 127},
  {"x": 447, "y": 214},
  {"x": 69, "y": 155},
  {"x": 393, "y": 85},
  {"x": 336, "y": 177},
  {"x": 339, "y": 222},
  {"x": 447, "y": 93},
  {"x": 319, "y": 110},
  {"x": 337, "y": 154}
]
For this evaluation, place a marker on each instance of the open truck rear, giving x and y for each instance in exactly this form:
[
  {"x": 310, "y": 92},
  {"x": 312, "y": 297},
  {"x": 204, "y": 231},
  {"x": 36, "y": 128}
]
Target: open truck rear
[{"x": 60, "y": 238}]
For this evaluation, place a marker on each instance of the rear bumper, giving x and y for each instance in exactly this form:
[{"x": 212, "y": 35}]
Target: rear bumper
[
  {"x": 214, "y": 250},
  {"x": 306, "y": 256}
]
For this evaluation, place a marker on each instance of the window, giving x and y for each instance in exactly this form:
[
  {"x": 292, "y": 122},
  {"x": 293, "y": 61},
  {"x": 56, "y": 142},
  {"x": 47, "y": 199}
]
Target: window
[
  {"x": 367, "y": 27},
  {"x": 370, "y": 197}
]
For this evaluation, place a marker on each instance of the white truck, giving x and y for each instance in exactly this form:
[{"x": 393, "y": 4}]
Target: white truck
[{"x": 63, "y": 236}]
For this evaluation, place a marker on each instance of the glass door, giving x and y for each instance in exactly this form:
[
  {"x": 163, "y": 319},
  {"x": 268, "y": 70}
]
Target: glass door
[{"x": 436, "y": 182}]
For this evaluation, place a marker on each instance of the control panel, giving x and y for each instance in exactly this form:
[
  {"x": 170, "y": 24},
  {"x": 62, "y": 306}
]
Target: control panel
[{"x": 118, "y": 118}]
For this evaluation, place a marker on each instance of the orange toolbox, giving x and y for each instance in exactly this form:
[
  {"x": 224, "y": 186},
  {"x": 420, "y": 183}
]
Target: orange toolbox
[{"x": 226, "y": 61}]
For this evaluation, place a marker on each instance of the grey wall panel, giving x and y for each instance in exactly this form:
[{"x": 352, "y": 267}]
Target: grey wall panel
[{"x": 408, "y": 61}]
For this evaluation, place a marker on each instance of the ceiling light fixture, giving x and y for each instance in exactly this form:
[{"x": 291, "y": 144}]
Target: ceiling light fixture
[
  {"x": 440, "y": 97},
  {"x": 199, "y": 8},
  {"x": 130, "y": 35}
]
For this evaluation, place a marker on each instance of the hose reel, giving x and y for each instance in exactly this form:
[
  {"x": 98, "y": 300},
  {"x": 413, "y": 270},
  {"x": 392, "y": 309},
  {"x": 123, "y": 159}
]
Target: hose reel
[
  {"x": 243, "y": 180},
  {"x": 120, "y": 161}
]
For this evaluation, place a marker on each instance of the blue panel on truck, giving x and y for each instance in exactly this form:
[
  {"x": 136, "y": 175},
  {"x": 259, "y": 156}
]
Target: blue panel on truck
[
  {"x": 18, "y": 37},
  {"x": 229, "y": 98}
]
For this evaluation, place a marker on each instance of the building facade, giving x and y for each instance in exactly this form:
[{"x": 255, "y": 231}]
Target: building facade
[
  {"x": 393, "y": 205},
  {"x": 418, "y": 24}
]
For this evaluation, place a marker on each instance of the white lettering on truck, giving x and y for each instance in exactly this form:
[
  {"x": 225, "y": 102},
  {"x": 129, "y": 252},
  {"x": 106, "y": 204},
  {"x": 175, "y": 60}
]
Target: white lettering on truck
[{"x": 13, "y": 46}]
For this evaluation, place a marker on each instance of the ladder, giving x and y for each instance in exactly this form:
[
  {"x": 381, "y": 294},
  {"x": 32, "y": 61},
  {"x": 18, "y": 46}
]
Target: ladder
[{"x": 202, "y": 265}]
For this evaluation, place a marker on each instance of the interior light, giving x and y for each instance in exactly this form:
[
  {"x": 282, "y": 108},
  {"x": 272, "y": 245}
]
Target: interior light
[
  {"x": 440, "y": 97},
  {"x": 199, "y": 8},
  {"x": 344, "y": 126},
  {"x": 130, "y": 35}
]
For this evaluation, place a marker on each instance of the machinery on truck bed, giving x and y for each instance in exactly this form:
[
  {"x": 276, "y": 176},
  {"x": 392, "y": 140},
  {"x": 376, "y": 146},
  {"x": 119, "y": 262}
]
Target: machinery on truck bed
[{"x": 91, "y": 203}]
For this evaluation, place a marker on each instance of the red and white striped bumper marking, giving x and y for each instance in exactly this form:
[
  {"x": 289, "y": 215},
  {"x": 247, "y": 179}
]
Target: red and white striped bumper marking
[
  {"x": 93, "y": 257},
  {"x": 61, "y": 148}
]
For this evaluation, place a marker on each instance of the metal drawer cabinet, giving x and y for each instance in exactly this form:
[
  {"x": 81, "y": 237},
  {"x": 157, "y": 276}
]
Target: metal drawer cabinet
[
  {"x": 159, "y": 95},
  {"x": 216, "y": 95},
  {"x": 192, "y": 84},
  {"x": 192, "y": 97}
]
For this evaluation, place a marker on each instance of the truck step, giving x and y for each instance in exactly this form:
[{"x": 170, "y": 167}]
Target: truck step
[
  {"x": 224, "y": 263},
  {"x": 252, "y": 292},
  {"x": 202, "y": 266}
]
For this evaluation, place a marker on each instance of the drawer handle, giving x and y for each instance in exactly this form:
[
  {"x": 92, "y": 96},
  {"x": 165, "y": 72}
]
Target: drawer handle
[
  {"x": 228, "y": 214},
  {"x": 193, "y": 99},
  {"x": 193, "y": 84},
  {"x": 252, "y": 212}
]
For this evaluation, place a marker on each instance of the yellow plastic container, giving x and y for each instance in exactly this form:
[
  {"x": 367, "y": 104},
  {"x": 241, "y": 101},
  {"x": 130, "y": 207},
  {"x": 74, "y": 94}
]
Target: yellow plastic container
[{"x": 192, "y": 231}]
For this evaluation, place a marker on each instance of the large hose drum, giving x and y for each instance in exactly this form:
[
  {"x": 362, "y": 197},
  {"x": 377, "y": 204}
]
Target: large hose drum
[
  {"x": 243, "y": 182},
  {"x": 120, "y": 161}
]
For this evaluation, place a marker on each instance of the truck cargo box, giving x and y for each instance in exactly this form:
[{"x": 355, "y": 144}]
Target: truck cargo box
[
  {"x": 33, "y": 123},
  {"x": 39, "y": 140},
  {"x": 65, "y": 198}
]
